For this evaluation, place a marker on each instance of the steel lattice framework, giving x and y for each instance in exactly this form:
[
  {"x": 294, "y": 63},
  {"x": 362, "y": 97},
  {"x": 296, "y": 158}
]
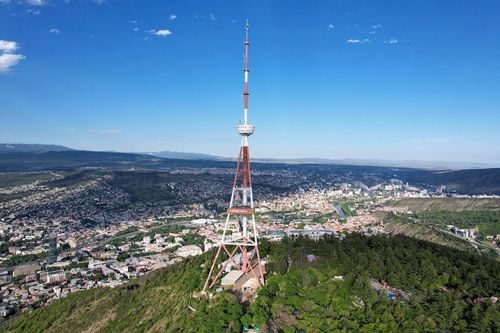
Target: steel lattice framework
[{"x": 241, "y": 248}]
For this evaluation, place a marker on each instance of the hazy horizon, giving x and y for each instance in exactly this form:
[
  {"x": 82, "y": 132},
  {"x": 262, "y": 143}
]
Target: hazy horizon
[{"x": 360, "y": 160}]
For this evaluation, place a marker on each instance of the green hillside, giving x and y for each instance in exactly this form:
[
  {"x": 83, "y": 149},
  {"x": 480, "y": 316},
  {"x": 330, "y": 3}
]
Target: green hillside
[
  {"x": 436, "y": 288},
  {"x": 404, "y": 225},
  {"x": 448, "y": 204},
  {"x": 473, "y": 181}
]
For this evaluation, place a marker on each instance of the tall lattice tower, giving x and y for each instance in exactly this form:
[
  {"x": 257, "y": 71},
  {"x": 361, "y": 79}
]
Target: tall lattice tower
[{"x": 240, "y": 248}]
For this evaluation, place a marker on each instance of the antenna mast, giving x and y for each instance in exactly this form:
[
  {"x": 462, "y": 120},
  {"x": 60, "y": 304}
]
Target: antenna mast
[{"x": 245, "y": 85}]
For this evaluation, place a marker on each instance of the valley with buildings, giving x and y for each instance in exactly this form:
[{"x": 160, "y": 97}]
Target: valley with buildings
[{"x": 111, "y": 226}]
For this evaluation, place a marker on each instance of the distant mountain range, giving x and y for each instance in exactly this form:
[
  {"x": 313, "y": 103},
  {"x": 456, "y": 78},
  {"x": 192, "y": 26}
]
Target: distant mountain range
[
  {"x": 186, "y": 156},
  {"x": 30, "y": 148},
  {"x": 471, "y": 181},
  {"x": 429, "y": 165}
]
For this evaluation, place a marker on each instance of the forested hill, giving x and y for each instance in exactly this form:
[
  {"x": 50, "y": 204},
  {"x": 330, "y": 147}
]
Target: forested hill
[
  {"x": 433, "y": 288},
  {"x": 474, "y": 181}
]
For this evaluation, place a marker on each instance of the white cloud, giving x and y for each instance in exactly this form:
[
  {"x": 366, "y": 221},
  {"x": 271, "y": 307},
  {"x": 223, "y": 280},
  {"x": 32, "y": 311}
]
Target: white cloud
[
  {"x": 373, "y": 32},
  {"x": 100, "y": 2},
  {"x": 33, "y": 11},
  {"x": 55, "y": 31},
  {"x": 330, "y": 26},
  {"x": 8, "y": 58},
  {"x": 212, "y": 17},
  {"x": 161, "y": 32},
  {"x": 27, "y": 2},
  {"x": 134, "y": 23},
  {"x": 391, "y": 41},
  {"x": 110, "y": 131},
  {"x": 357, "y": 41},
  {"x": 377, "y": 26},
  {"x": 433, "y": 140},
  {"x": 36, "y": 2},
  {"x": 7, "y": 46},
  {"x": 173, "y": 17}
]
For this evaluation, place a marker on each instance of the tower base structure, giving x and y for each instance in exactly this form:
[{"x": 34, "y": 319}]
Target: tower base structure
[{"x": 237, "y": 263}]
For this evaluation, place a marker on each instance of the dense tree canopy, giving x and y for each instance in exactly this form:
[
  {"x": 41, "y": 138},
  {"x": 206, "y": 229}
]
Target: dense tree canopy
[{"x": 445, "y": 290}]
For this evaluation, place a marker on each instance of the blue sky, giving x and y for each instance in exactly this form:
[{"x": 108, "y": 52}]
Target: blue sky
[{"x": 392, "y": 80}]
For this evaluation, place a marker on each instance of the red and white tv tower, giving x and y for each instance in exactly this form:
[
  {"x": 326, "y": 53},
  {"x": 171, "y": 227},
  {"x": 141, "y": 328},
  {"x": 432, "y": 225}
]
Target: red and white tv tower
[{"x": 240, "y": 248}]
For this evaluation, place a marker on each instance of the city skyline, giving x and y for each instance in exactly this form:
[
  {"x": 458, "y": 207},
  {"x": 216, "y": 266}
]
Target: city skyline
[{"x": 340, "y": 80}]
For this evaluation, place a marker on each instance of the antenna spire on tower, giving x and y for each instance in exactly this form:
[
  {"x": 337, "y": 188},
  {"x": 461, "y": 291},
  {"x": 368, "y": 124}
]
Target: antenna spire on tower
[{"x": 245, "y": 84}]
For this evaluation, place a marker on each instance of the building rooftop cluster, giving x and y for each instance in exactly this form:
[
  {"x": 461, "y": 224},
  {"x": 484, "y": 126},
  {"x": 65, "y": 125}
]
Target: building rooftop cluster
[{"x": 95, "y": 263}]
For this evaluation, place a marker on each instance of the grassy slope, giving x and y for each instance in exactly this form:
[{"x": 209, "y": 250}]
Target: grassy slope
[
  {"x": 157, "y": 302},
  {"x": 433, "y": 209},
  {"x": 451, "y": 204},
  {"x": 16, "y": 179},
  {"x": 404, "y": 226}
]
